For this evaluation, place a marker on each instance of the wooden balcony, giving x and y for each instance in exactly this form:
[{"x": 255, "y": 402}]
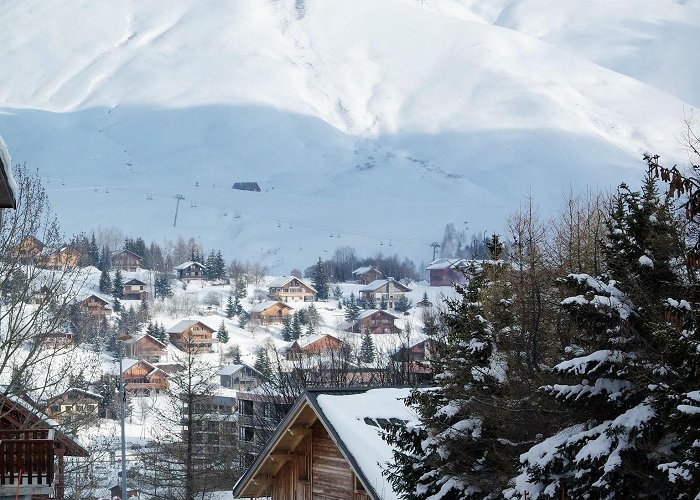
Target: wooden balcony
[{"x": 27, "y": 461}]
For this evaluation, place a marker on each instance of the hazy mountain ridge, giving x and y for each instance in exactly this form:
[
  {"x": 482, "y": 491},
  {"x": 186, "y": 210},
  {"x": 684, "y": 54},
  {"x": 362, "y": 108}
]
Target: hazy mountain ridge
[{"x": 374, "y": 120}]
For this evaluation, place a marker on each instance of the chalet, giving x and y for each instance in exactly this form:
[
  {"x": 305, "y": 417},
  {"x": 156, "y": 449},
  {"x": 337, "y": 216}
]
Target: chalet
[
  {"x": 214, "y": 422},
  {"x": 191, "y": 334},
  {"x": 367, "y": 274},
  {"x": 418, "y": 349},
  {"x": 126, "y": 260},
  {"x": 115, "y": 492},
  {"x": 32, "y": 451},
  {"x": 257, "y": 417},
  {"x": 65, "y": 257},
  {"x": 8, "y": 187},
  {"x": 329, "y": 445},
  {"x": 387, "y": 290},
  {"x": 29, "y": 249},
  {"x": 446, "y": 272},
  {"x": 135, "y": 290},
  {"x": 95, "y": 305},
  {"x": 246, "y": 186},
  {"x": 143, "y": 378},
  {"x": 269, "y": 312},
  {"x": 240, "y": 377},
  {"x": 190, "y": 271},
  {"x": 291, "y": 289},
  {"x": 372, "y": 321},
  {"x": 56, "y": 339},
  {"x": 311, "y": 345},
  {"x": 145, "y": 347},
  {"x": 74, "y": 404}
]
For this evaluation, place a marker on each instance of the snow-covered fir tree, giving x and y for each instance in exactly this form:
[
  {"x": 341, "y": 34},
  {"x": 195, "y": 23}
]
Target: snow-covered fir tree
[
  {"x": 633, "y": 375},
  {"x": 367, "y": 348},
  {"x": 453, "y": 450},
  {"x": 319, "y": 280}
]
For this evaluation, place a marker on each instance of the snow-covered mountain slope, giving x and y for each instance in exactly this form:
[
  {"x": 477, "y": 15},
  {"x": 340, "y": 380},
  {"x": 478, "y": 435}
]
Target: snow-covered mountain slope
[{"x": 368, "y": 121}]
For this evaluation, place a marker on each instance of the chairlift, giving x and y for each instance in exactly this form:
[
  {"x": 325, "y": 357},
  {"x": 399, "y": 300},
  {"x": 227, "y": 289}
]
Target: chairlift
[
  {"x": 330, "y": 235},
  {"x": 389, "y": 242},
  {"x": 107, "y": 190},
  {"x": 238, "y": 215},
  {"x": 278, "y": 224},
  {"x": 149, "y": 196},
  {"x": 63, "y": 182},
  {"x": 381, "y": 243}
]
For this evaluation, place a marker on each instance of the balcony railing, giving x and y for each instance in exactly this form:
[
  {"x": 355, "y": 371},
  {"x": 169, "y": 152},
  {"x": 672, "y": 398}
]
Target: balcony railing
[{"x": 26, "y": 457}]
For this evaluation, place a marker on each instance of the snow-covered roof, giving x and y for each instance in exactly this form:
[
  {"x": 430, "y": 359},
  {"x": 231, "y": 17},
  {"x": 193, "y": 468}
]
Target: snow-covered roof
[
  {"x": 134, "y": 281},
  {"x": 82, "y": 391},
  {"x": 136, "y": 338},
  {"x": 261, "y": 306},
  {"x": 184, "y": 324},
  {"x": 187, "y": 264},
  {"x": 8, "y": 186},
  {"x": 354, "y": 420},
  {"x": 114, "y": 254},
  {"x": 365, "y": 269},
  {"x": 380, "y": 283},
  {"x": 446, "y": 263},
  {"x": 310, "y": 339},
  {"x": 87, "y": 294},
  {"x": 283, "y": 280},
  {"x": 231, "y": 369}
]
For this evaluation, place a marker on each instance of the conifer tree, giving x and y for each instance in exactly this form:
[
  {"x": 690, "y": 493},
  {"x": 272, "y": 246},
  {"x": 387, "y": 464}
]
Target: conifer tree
[
  {"x": 230, "y": 307},
  {"x": 162, "y": 288},
  {"x": 313, "y": 318},
  {"x": 320, "y": 280},
  {"x": 242, "y": 319},
  {"x": 454, "y": 451},
  {"x": 352, "y": 310},
  {"x": 105, "y": 262},
  {"x": 631, "y": 375},
  {"x": 383, "y": 305},
  {"x": 235, "y": 353},
  {"x": 222, "y": 334},
  {"x": 337, "y": 292},
  {"x": 94, "y": 252},
  {"x": 367, "y": 349},
  {"x": 296, "y": 326},
  {"x": 287, "y": 329},
  {"x": 262, "y": 361},
  {"x": 118, "y": 285},
  {"x": 105, "y": 282}
]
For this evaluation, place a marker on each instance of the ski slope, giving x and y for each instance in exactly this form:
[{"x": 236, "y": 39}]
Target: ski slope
[{"x": 365, "y": 122}]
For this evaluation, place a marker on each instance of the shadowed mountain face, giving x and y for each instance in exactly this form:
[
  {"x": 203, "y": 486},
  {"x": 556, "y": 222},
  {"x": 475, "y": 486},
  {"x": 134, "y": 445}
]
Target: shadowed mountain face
[{"x": 364, "y": 123}]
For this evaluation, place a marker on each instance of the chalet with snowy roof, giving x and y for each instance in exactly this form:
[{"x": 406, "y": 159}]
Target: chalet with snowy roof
[
  {"x": 65, "y": 257},
  {"x": 143, "y": 378},
  {"x": 291, "y": 289},
  {"x": 29, "y": 249},
  {"x": 190, "y": 271},
  {"x": 191, "y": 334},
  {"x": 269, "y": 312},
  {"x": 73, "y": 404},
  {"x": 367, "y": 274},
  {"x": 145, "y": 347},
  {"x": 446, "y": 271},
  {"x": 372, "y": 321},
  {"x": 126, "y": 260},
  {"x": 95, "y": 305},
  {"x": 56, "y": 339},
  {"x": 388, "y": 290},
  {"x": 32, "y": 451},
  {"x": 417, "y": 349},
  {"x": 312, "y": 345},
  {"x": 240, "y": 377},
  {"x": 135, "y": 290},
  {"x": 8, "y": 187},
  {"x": 329, "y": 445}
]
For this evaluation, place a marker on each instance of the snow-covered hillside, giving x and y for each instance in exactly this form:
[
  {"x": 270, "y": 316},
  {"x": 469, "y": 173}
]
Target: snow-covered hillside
[{"x": 369, "y": 121}]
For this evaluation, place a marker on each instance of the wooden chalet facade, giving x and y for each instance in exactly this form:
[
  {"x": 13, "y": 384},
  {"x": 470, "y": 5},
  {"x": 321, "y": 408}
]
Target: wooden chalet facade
[
  {"x": 95, "y": 306},
  {"x": 313, "y": 345},
  {"x": 389, "y": 290},
  {"x": 32, "y": 451},
  {"x": 270, "y": 312},
  {"x": 147, "y": 348},
  {"x": 190, "y": 271},
  {"x": 291, "y": 289},
  {"x": 29, "y": 249},
  {"x": 372, "y": 321},
  {"x": 126, "y": 260},
  {"x": 191, "y": 334},
  {"x": 446, "y": 272},
  {"x": 367, "y": 274},
  {"x": 240, "y": 377},
  {"x": 64, "y": 258},
  {"x": 329, "y": 446},
  {"x": 143, "y": 378},
  {"x": 73, "y": 404},
  {"x": 135, "y": 290}
]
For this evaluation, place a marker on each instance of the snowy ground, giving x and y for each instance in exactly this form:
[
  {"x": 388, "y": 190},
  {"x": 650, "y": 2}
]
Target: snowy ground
[{"x": 368, "y": 121}]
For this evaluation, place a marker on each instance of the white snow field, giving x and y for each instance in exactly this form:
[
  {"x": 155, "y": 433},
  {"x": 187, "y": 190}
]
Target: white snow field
[{"x": 371, "y": 121}]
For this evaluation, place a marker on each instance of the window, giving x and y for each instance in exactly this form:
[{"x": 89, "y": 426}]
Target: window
[
  {"x": 245, "y": 407},
  {"x": 246, "y": 434}
]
